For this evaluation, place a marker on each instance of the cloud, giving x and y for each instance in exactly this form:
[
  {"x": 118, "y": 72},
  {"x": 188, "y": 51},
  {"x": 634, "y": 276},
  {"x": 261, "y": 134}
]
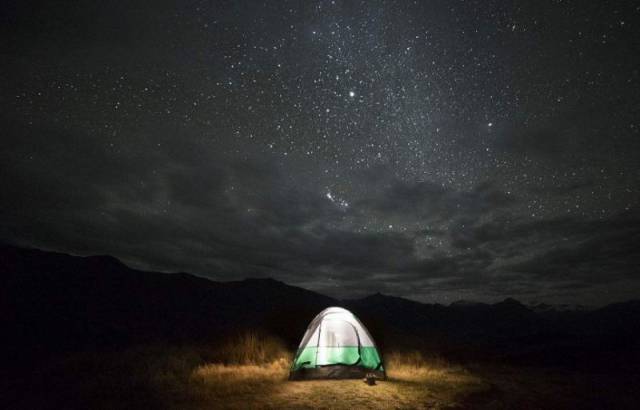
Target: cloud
[
  {"x": 426, "y": 200},
  {"x": 185, "y": 208},
  {"x": 599, "y": 252}
]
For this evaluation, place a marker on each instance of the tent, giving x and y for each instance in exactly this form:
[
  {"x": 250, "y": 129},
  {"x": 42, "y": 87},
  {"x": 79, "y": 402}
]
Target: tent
[{"x": 336, "y": 345}]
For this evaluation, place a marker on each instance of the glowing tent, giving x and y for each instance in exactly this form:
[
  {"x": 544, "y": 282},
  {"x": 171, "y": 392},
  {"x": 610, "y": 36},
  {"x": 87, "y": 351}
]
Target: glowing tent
[{"x": 336, "y": 346}]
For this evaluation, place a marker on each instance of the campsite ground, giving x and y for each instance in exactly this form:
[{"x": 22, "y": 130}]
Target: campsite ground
[
  {"x": 421, "y": 386},
  {"x": 253, "y": 374}
]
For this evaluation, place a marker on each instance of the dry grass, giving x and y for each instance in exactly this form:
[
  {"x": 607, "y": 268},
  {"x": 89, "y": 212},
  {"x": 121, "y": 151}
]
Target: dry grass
[
  {"x": 251, "y": 348},
  {"x": 237, "y": 386},
  {"x": 215, "y": 372},
  {"x": 227, "y": 380},
  {"x": 250, "y": 371},
  {"x": 415, "y": 366},
  {"x": 414, "y": 382}
]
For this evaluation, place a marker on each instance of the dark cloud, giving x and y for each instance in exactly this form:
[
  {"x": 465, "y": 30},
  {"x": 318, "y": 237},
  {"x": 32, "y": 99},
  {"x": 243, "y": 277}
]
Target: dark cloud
[
  {"x": 426, "y": 200},
  {"x": 227, "y": 219},
  {"x": 597, "y": 247}
]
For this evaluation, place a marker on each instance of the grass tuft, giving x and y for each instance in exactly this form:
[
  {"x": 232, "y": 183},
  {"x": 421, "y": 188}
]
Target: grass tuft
[
  {"x": 415, "y": 366},
  {"x": 252, "y": 348}
]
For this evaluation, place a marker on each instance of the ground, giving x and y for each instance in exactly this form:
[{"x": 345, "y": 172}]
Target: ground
[
  {"x": 268, "y": 387},
  {"x": 163, "y": 377}
]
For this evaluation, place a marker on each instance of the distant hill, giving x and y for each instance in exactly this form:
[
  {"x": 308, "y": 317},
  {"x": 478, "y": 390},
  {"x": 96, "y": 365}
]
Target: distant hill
[{"x": 52, "y": 303}]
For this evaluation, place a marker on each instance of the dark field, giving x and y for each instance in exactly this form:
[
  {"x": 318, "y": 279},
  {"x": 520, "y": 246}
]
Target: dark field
[
  {"x": 90, "y": 333},
  {"x": 198, "y": 378}
]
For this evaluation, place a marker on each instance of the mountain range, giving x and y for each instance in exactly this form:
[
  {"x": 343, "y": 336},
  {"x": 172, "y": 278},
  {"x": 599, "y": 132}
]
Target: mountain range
[{"x": 54, "y": 303}]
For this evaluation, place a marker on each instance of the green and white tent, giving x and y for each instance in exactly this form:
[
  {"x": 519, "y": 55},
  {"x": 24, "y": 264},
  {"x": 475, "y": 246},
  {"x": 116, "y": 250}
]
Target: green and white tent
[{"x": 336, "y": 345}]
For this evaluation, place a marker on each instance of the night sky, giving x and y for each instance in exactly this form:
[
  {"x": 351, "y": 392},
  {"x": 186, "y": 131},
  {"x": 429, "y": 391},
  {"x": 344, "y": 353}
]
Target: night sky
[{"x": 434, "y": 150}]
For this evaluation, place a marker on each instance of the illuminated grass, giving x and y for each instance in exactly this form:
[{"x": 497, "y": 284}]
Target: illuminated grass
[
  {"x": 414, "y": 366},
  {"x": 266, "y": 386},
  {"x": 252, "y": 348}
]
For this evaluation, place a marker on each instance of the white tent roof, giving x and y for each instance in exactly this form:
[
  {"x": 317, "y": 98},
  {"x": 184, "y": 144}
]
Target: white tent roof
[{"x": 336, "y": 327}]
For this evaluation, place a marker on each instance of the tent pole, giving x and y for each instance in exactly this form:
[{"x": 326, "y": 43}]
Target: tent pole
[{"x": 318, "y": 343}]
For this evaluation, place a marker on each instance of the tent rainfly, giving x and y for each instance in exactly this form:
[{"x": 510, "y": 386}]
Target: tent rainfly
[{"x": 336, "y": 345}]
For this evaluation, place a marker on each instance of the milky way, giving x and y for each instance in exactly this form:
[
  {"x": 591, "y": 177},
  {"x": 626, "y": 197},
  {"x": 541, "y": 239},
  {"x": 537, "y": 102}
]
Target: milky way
[{"x": 436, "y": 150}]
